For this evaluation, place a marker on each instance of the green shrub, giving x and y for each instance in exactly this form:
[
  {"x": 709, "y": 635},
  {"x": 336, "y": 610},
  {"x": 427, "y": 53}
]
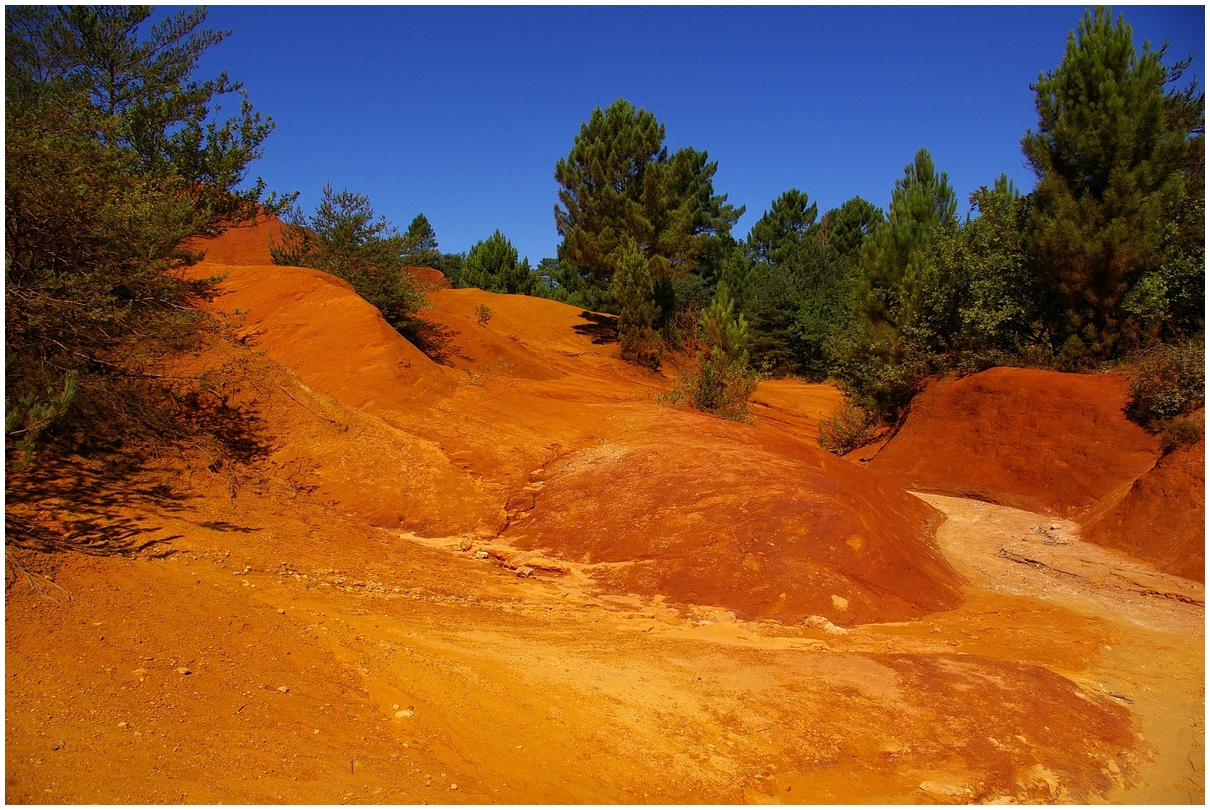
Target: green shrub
[
  {"x": 845, "y": 429},
  {"x": 1179, "y": 432},
  {"x": 483, "y": 314},
  {"x": 1168, "y": 382}
]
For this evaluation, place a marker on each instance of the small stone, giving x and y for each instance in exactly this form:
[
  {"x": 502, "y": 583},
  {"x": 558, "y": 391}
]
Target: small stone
[
  {"x": 821, "y": 623},
  {"x": 403, "y": 713},
  {"x": 123, "y": 724},
  {"x": 395, "y": 706},
  {"x": 525, "y": 572},
  {"x": 283, "y": 689},
  {"x": 464, "y": 544},
  {"x": 281, "y": 611},
  {"x": 453, "y": 786},
  {"x": 56, "y": 746},
  {"x": 839, "y": 602},
  {"x": 481, "y": 555},
  {"x": 141, "y": 671},
  {"x": 184, "y": 670}
]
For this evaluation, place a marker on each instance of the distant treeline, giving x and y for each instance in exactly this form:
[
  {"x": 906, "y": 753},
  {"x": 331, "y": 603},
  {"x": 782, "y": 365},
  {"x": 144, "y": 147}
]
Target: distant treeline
[
  {"x": 1104, "y": 259},
  {"x": 115, "y": 157}
]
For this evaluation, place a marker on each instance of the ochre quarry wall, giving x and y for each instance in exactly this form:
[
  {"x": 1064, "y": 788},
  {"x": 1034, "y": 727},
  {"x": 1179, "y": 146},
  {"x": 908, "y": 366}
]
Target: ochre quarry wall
[
  {"x": 1162, "y": 519},
  {"x": 1032, "y": 439}
]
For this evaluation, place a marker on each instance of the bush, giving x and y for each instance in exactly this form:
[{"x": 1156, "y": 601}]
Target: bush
[
  {"x": 483, "y": 314},
  {"x": 1168, "y": 382},
  {"x": 1180, "y": 432},
  {"x": 845, "y": 429},
  {"x": 346, "y": 239}
]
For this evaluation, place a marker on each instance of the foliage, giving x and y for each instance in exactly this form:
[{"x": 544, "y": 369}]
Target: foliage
[
  {"x": 894, "y": 259},
  {"x": 114, "y": 156},
  {"x": 345, "y": 238},
  {"x": 633, "y": 291},
  {"x": 845, "y": 429},
  {"x": 450, "y": 265},
  {"x": 1113, "y": 154},
  {"x": 1180, "y": 432},
  {"x": 782, "y": 228},
  {"x": 903, "y": 298},
  {"x": 723, "y": 381},
  {"x": 619, "y": 185},
  {"x": 564, "y": 282},
  {"x": 845, "y": 229},
  {"x": 492, "y": 265},
  {"x": 483, "y": 314},
  {"x": 422, "y": 237},
  {"x": 1168, "y": 382}
]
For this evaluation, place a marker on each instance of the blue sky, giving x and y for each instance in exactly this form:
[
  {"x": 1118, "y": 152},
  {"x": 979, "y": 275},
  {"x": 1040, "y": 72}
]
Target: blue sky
[{"x": 461, "y": 113}]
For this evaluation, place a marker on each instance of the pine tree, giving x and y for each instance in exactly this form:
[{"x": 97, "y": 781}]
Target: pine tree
[
  {"x": 1112, "y": 153},
  {"x": 844, "y": 229},
  {"x": 724, "y": 381},
  {"x": 344, "y": 237},
  {"x": 783, "y": 227},
  {"x": 895, "y": 256},
  {"x": 619, "y": 185},
  {"x": 633, "y": 293},
  {"x": 114, "y": 155},
  {"x": 492, "y": 265},
  {"x": 424, "y": 251}
]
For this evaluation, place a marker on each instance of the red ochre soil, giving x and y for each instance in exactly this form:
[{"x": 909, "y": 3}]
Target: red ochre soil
[
  {"x": 1032, "y": 439},
  {"x": 314, "y": 624},
  {"x": 1162, "y": 519},
  {"x": 1058, "y": 444}
]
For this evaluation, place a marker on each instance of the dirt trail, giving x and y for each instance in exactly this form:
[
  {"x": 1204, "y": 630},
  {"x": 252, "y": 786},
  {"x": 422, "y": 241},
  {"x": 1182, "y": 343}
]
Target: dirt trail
[
  {"x": 1155, "y": 662},
  {"x": 543, "y": 690}
]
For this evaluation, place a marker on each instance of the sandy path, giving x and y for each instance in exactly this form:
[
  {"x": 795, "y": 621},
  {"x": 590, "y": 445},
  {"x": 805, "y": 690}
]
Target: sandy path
[{"x": 1156, "y": 665}]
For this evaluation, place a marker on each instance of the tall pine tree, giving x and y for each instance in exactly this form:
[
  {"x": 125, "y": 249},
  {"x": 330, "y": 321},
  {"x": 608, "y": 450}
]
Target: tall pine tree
[
  {"x": 895, "y": 257},
  {"x": 1114, "y": 154},
  {"x": 620, "y": 185}
]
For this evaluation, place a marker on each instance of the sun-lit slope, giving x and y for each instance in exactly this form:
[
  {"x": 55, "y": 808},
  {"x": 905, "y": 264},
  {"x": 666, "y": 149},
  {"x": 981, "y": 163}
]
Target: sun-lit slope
[
  {"x": 247, "y": 244},
  {"x": 1027, "y": 438},
  {"x": 708, "y": 512},
  {"x": 1162, "y": 519},
  {"x": 793, "y": 406},
  {"x": 336, "y": 342}
]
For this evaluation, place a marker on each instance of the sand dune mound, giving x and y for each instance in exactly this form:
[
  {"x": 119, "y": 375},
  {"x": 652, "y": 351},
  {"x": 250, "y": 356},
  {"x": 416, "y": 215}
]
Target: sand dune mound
[
  {"x": 705, "y": 512},
  {"x": 1027, "y": 438},
  {"x": 1162, "y": 519}
]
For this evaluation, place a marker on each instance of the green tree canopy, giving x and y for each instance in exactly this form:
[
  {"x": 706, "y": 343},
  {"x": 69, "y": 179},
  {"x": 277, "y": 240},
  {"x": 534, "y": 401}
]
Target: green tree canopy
[
  {"x": 632, "y": 292},
  {"x": 1113, "y": 152},
  {"x": 114, "y": 156},
  {"x": 895, "y": 257},
  {"x": 844, "y": 229},
  {"x": 492, "y": 265},
  {"x": 424, "y": 251},
  {"x": 783, "y": 227},
  {"x": 619, "y": 185}
]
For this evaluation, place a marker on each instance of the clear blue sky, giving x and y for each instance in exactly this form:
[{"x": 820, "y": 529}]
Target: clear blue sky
[{"x": 461, "y": 113}]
